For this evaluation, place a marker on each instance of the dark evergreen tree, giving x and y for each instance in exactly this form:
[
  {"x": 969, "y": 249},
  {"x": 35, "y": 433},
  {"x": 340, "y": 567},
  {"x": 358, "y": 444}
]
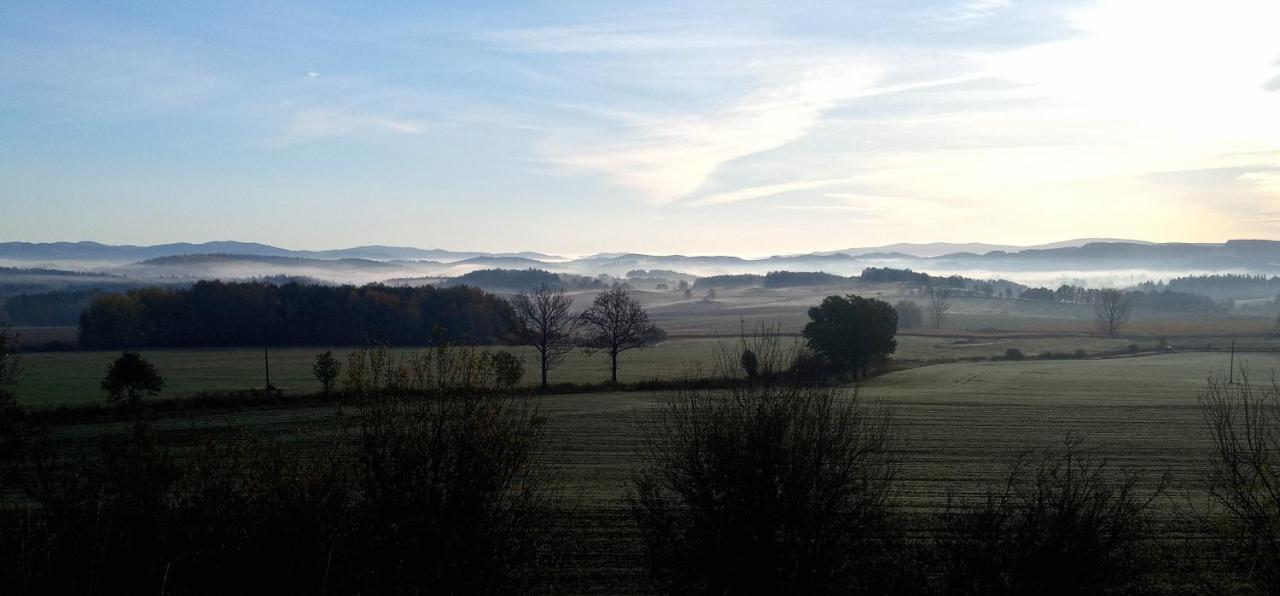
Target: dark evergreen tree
[{"x": 852, "y": 332}]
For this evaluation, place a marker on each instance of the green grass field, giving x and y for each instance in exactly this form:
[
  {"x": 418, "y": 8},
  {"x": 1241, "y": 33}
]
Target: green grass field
[
  {"x": 962, "y": 424},
  {"x": 960, "y": 421},
  {"x": 66, "y": 378}
]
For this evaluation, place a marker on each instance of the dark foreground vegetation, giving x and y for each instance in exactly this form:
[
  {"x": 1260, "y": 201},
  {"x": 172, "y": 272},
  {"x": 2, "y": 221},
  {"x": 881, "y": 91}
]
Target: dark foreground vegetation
[
  {"x": 412, "y": 491},
  {"x": 434, "y": 479}
]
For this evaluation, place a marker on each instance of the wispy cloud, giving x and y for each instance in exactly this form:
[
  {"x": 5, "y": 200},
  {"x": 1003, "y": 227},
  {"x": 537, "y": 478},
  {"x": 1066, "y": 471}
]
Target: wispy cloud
[
  {"x": 855, "y": 208},
  {"x": 629, "y": 37},
  {"x": 667, "y": 151},
  {"x": 768, "y": 190},
  {"x": 1273, "y": 84},
  {"x": 669, "y": 156},
  {"x": 316, "y": 122},
  {"x": 311, "y": 108},
  {"x": 1267, "y": 181},
  {"x": 969, "y": 12}
]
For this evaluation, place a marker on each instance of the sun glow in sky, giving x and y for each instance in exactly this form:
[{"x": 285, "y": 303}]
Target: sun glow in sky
[{"x": 576, "y": 127}]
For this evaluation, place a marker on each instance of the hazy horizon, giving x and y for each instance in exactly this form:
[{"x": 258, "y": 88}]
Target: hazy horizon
[{"x": 321, "y": 247}]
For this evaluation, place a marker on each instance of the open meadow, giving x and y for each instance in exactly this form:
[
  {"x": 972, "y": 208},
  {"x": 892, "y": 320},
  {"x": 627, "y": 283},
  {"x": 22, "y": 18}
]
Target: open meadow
[
  {"x": 961, "y": 424},
  {"x": 72, "y": 378}
]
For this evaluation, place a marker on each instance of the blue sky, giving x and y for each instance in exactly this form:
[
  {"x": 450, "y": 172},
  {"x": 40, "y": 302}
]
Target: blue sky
[{"x": 752, "y": 129}]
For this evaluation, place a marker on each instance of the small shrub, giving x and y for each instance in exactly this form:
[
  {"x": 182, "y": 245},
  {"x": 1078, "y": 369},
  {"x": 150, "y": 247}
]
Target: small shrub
[
  {"x": 750, "y": 364},
  {"x": 1064, "y": 525},
  {"x": 1014, "y": 354},
  {"x": 807, "y": 367},
  {"x": 508, "y": 369},
  {"x": 769, "y": 490},
  {"x": 10, "y": 367},
  {"x": 12, "y": 416},
  {"x": 451, "y": 495},
  {"x": 1134, "y": 348},
  {"x": 326, "y": 370}
]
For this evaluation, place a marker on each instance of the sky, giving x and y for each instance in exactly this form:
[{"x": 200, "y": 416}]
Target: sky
[{"x": 748, "y": 128}]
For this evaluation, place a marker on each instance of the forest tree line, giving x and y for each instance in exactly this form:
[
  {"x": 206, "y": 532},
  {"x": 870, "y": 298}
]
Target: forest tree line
[
  {"x": 214, "y": 313},
  {"x": 1222, "y": 286},
  {"x": 1150, "y": 302}
]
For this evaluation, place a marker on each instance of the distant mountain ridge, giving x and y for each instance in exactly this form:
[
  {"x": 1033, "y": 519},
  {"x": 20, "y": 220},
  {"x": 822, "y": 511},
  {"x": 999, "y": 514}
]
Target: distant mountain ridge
[
  {"x": 97, "y": 252},
  {"x": 938, "y": 249},
  {"x": 222, "y": 258}
]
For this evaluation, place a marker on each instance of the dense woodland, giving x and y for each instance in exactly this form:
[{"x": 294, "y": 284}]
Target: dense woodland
[
  {"x": 744, "y": 280},
  {"x": 1147, "y": 302},
  {"x": 891, "y": 275},
  {"x": 238, "y": 314},
  {"x": 1222, "y": 287},
  {"x": 791, "y": 279},
  {"x": 507, "y": 279},
  {"x": 56, "y": 309}
]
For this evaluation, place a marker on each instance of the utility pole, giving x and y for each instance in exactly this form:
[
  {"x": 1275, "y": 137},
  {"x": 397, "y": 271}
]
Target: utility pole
[
  {"x": 266, "y": 338},
  {"x": 1231, "y": 379}
]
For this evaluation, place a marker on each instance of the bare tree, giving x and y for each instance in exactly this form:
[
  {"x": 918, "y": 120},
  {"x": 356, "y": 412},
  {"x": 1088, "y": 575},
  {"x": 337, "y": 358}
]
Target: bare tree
[
  {"x": 618, "y": 323},
  {"x": 939, "y": 303},
  {"x": 1112, "y": 310},
  {"x": 1243, "y": 482},
  {"x": 543, "y": 320}
]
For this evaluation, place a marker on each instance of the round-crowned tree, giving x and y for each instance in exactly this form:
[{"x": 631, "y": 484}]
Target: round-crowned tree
[
  {"x": 852, "y": 332},
  {"x": 129, "y": 377}
]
